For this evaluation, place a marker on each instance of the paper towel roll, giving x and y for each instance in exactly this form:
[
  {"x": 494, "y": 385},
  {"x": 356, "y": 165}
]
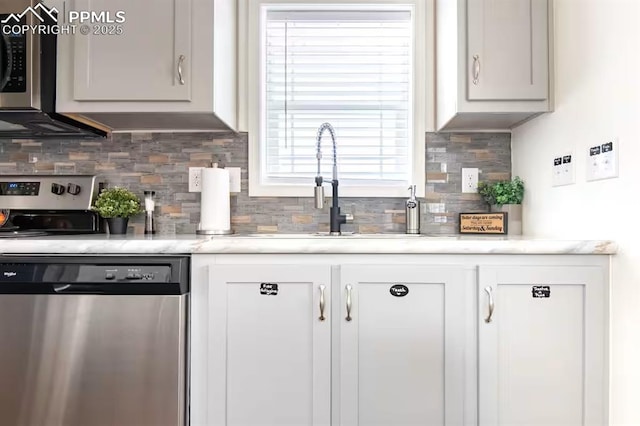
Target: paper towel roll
[{"x": 215, "y": 201}]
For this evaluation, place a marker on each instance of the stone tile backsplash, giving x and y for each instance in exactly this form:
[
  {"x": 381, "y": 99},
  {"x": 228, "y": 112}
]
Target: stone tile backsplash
[{"x": 160, "y": 162}]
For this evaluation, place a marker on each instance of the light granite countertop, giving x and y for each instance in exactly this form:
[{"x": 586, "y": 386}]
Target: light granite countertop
[{"x": 301, "y": 243}]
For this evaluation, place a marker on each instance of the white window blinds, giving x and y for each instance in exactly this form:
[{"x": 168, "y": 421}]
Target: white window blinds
[{"x": 350, "y": 68}]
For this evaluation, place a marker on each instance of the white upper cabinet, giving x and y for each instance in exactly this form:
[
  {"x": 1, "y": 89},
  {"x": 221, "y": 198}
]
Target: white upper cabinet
[
  {"x": 149, "y": 61},
  {"x": 170, "y": 65},
  {"x": 507, "y": 53},
  {"x": 492, "y": 63}
]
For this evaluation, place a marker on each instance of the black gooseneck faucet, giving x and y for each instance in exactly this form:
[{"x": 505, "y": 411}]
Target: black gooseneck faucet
[{"x": 336, "y": 219}]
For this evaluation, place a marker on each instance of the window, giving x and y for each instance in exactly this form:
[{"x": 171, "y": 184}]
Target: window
[{"x": 351, "y": 66}]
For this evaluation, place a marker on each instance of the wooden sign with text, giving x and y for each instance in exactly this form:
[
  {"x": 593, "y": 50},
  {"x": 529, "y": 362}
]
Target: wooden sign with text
[{"x": 483, "y": 223}]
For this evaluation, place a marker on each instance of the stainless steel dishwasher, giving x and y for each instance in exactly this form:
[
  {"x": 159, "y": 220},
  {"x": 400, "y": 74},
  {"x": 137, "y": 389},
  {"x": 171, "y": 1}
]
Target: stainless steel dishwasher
[{"x": 93, "y": 341}]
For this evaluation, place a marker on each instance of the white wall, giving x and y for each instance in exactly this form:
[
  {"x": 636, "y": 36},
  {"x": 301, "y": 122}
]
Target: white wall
[{"x": 597, "y": 75}]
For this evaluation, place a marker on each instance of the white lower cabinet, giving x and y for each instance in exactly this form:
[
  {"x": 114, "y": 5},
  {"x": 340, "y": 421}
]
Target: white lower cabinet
[
  {"x": 281, "y": 342},
  {"x": 270, "y": 353},
  {"x": 401, "y": 345},
  {"x": 542, "y": 346}
]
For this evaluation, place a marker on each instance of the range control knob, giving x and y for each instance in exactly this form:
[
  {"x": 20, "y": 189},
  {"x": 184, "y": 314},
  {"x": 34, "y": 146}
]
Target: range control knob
[
  {"x": 57, "y": 189},
  {"x": 73, "y": 189}
]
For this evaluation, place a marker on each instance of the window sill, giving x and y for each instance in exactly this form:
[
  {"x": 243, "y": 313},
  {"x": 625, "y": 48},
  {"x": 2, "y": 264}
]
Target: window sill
[{"x": 258, "y": 190}]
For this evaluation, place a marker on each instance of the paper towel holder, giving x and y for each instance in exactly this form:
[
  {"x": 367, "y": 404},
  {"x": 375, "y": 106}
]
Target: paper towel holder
[{"x": 213, "y": 231}]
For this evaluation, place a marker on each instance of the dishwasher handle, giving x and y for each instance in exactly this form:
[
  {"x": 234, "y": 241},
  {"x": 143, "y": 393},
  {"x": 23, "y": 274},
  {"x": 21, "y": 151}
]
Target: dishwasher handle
[
  {"x": 78, "y": 289},
  {"x": 115, "y": 289}
]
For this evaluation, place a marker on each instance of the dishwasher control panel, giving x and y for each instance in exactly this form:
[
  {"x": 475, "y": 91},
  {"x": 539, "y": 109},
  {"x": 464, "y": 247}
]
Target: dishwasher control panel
[
  {"x": 29, "y": 272},
  {"x": 95, "y": 275},
  {"x": 124, "y": 273}
]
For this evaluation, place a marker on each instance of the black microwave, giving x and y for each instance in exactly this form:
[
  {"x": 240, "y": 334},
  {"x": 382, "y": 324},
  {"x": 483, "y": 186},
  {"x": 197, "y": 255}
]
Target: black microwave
[{"x": 13, "y": 68}]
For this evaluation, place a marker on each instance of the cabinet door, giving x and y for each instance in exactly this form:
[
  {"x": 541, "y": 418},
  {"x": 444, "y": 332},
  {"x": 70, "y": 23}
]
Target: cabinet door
[
  {"x": 142, "y": 63},
  {"x": 541, "y": 355},
  {"x": 271, "y": 352},
  {"x": 507, "y": 55},
  {"x": 402, "y": 351}
]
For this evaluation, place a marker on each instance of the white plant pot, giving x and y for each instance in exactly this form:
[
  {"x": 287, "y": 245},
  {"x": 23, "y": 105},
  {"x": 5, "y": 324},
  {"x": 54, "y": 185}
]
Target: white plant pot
[{"x": 514, "y": 217}]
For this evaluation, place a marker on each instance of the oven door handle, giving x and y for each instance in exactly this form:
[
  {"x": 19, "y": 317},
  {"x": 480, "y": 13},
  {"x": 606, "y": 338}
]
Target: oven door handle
[{"x": 5, "y": 74}]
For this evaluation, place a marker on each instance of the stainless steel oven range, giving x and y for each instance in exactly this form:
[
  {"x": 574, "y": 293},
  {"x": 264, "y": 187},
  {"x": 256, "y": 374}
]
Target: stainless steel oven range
[
  {"x": 38, "y": 205},
  {"x": 94, "y": 341}
]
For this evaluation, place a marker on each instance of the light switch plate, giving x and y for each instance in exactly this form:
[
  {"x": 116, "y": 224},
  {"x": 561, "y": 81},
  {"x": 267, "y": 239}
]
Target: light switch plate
[
  {"x": 234, "y": 179},
  {"x": 602, "y": 160},
  {"x": 563, "y": 170}
]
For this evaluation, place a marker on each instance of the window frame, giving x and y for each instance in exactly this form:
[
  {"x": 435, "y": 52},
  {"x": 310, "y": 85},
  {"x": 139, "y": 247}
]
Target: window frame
[{"x": 250, "y": 96}]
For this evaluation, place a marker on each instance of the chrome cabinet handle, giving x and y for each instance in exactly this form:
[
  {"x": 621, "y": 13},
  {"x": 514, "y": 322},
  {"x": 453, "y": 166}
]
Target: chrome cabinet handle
[
  {"x": 348, "y": 288},
  {"x": 489, "y": 291},
  {"x": 322, "y": 317},
  {"x": 181, "y": 59},
  {"x": 476, "y": 68}
]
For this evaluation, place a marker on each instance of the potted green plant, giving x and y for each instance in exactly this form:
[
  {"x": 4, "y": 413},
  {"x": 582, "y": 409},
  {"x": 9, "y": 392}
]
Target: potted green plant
[
  {"x": 117, "y": 205},
  {"x": 505, "y": 196}
]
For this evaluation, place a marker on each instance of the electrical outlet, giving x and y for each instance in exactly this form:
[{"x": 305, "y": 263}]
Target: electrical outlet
[
  {"x": 469, "y": 180},
  {"x": 195, "y": 179}
]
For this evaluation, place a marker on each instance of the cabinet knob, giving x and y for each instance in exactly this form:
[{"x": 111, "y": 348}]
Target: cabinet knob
[
  {"x": 181, "y": 59},
  {"x": 476, "y": 69}
]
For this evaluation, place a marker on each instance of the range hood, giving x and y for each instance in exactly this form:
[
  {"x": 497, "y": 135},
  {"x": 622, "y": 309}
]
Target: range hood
[{"x": 34, "y": 124}]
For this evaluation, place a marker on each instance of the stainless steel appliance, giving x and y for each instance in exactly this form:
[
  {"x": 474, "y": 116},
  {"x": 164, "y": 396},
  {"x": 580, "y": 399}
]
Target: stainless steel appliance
[
  {"x": 93, "y": 341},
  {"x": 28, "y": 77},
  {"x": 34, "y": 205}
]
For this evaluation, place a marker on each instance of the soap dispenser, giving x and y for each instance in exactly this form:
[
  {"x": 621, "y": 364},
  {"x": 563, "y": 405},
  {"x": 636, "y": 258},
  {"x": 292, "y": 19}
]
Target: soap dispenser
[{"x": 412, "y": 210}]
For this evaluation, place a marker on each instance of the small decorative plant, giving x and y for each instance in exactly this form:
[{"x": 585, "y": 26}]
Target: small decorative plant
[
  {"x": 503, "y": 192},
  {"x": 117, "y": 202}
]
